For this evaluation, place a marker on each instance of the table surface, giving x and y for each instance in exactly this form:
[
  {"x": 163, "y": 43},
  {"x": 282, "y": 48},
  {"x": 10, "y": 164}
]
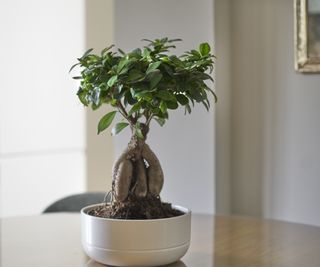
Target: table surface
[{"x": 53, "y": 240}]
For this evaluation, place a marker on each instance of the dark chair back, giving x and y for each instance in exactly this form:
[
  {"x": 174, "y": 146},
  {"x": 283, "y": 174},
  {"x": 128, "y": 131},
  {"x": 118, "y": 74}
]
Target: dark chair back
[{"x": 75, "y": 203}]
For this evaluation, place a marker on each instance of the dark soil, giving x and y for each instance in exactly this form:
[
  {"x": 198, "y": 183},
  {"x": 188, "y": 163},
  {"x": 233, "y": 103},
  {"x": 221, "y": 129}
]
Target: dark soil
[{"x": 135, "y": 208}]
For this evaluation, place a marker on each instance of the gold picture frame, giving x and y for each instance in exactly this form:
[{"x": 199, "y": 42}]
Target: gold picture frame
[{"x": 307, "y": 52}]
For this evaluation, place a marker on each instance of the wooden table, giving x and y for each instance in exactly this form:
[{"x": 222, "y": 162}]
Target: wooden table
[{"x": 53, "y": 240}]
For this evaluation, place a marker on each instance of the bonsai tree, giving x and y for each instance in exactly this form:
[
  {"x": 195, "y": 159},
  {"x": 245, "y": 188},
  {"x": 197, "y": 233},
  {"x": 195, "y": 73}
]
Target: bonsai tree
[{"x": 142, "y": 86}]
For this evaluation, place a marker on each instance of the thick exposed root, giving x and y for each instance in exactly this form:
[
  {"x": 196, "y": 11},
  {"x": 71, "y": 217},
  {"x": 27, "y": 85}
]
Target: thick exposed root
[
  {"x": 154, "y": 171},
  {"x": 131, "y": 176},
  {"x": 141, "y": 187},
  {"x": 123, "y": 179}
]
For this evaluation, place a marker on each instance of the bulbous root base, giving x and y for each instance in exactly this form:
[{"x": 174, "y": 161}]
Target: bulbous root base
[
  {"x": 137, "y": 180},
  {"x": 137, "y": 173}
]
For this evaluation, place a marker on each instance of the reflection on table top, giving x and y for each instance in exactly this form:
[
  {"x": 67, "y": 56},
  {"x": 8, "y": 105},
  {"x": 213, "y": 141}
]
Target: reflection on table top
[{"x": 53, "y": 240}]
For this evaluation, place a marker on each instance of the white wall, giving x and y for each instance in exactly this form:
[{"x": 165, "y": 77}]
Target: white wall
[
  {"x": 185, "y": 144},
  {"x": 223, "y": 107},
  {"x": 42, "y": 133},
  {"x": 100, "y": 148},
  {"x": 275, "y": 124}
]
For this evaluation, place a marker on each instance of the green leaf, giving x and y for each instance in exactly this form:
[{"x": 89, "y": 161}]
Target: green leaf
[
  {"x": 188, "y": 109},
  {"x": 113, "y": 102},
  {"x": 164, "y": 115},
  {"x": 206, "y": 105},
  {"x": 119, "y": 127},
  {"x": 146, "y": 52},
  {"x": 195, "y": 53},
  {"x": 136, "y": 107},
  {"x": 121, "y": 51},
  {"x": 204, "y": 76},
  {"x": 82, "y": 95},
  {"x": 133, "y": 92},
  {"x": 174, "y": 40},
  {"x": 151, "y": 74},
  {"x": 155, "y": 80},
  {"x": 168, "y": 69},
  {"x": 163, "y": 107},
  {"x": 153, "y": 66},
  {"x": 135, "y": 75},
  {"x": 176, "y": 61},
  {"x": 105, "y": 121},
  {"x": 147, "y": 40},
  {"x": 192, "y": 101},
  {"x": 124, "y": 70},
  {"x": 119, "y": 92},
  {"x": 87, "y": 52},
  {"x": 195, "y": 94},
  {"x": 213, "y": 93},
  {"x": 172, "y": 105},
  {"x": 136, "y": 53},
  {"x": 121, "y": 64},
  {"x": 144, "y": 94},
  {"x": 164, "y": 40},
  {"x": 129, "y": 99},
  {"x": 166, "y": 95},
  {"x": 112, "y": 80},
  {"x": 161, "y": 121},
  {"x": 103, "y": 86},
  {"x": 182, "y": 99},
  {"x": 73, "y": 66},
  {"x": 94, "y": 106},
  {"x": 204, "y": 49},
  {"x": 106, "y": 49}
]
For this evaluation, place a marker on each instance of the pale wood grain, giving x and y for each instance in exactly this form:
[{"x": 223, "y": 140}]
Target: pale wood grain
[
  {"x": 219, "y": 241},
  {"x": 237, "y": 242}
]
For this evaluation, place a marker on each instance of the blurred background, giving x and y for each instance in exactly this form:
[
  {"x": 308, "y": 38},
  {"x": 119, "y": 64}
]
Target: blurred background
[{"x": 257, "y": 153}]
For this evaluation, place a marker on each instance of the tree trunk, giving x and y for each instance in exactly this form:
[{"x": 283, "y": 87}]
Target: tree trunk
[{"x": 137, "y": 171}]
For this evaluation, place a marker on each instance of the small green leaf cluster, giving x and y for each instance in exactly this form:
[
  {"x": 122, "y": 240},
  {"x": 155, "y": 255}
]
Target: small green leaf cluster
[{"x": 144, "y": 83}]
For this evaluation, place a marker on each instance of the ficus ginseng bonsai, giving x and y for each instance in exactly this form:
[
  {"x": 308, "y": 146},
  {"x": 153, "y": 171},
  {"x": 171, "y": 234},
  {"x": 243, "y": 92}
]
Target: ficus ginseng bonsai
[{"x": 142, "y": 85}]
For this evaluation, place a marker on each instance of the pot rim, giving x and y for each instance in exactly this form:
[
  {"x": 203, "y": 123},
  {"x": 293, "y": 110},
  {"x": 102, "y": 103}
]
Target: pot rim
[{"x": 84, "y": 211}]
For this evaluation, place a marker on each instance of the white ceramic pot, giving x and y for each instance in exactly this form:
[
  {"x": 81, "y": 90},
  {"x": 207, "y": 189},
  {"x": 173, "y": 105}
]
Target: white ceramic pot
[{"x": 135, "y": 242}]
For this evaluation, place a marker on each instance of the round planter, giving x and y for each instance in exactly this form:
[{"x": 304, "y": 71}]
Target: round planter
[{"x": 135, "y": 242}]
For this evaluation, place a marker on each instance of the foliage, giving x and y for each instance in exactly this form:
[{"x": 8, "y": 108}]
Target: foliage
[{"x": 144, "y": 83}]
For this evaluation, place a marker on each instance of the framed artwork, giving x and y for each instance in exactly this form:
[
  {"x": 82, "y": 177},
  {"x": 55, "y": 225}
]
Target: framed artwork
[{"x": 307, "y": 35}]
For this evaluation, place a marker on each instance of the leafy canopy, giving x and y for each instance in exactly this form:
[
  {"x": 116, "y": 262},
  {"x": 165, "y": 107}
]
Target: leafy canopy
[{"x": 144, "y": 83}]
